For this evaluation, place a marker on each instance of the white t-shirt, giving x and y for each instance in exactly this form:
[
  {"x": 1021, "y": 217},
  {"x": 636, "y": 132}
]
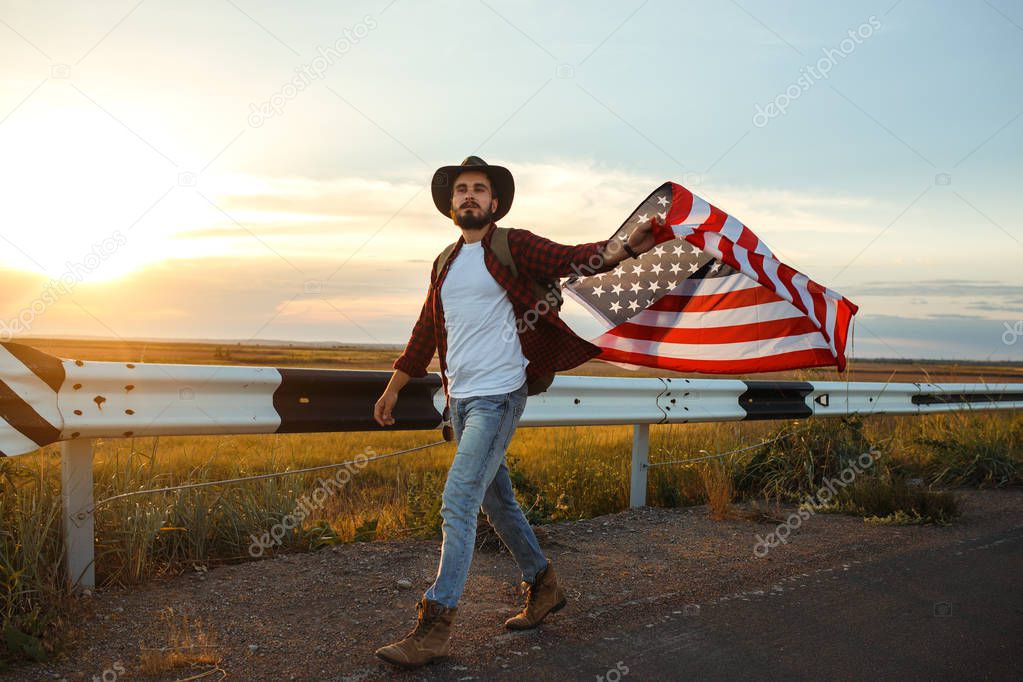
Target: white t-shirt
[{"x": 484, "y": 356}]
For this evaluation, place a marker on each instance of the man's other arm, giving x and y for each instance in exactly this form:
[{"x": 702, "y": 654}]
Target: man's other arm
[{"x": 411, "y": 363}]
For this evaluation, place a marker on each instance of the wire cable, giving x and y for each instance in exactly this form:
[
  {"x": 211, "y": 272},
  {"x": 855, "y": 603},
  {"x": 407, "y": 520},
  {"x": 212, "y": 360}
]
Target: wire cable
[{"x": 242, "y": 479}]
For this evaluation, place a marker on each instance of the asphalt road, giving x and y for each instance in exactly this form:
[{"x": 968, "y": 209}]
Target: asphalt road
[{"x": 951, "y": 613}]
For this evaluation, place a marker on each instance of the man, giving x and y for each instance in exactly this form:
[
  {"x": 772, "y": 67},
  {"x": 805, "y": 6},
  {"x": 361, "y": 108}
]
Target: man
[{"x": 474, "y": 318}]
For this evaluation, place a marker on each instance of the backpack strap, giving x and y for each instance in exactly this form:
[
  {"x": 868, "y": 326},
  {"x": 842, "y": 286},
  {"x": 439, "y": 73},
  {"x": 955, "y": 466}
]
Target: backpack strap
[
  {"x": 499, "y": 245},
  {"x": 442, "y": 259}
]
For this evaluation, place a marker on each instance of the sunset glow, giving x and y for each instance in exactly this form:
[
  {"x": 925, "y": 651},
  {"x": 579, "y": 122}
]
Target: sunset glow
[{"x": 133, "y": 161}]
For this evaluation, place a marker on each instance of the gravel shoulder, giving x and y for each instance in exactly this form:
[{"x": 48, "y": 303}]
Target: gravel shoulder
[{"x": 319, "y": 616}]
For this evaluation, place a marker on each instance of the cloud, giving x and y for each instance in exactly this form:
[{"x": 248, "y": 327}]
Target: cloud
[
  {"x": 567, "y": 201},
  {"x": 942, "y": 298},
  {"x": 940, "y": 287},
  {"x": 258, "y": 298},
  {"x": 1011, "y": 306},
  {"x": 946, "y": 336}
]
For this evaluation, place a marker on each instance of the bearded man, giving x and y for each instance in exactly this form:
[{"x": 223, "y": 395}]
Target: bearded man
[{"x": 475, "y": 318}]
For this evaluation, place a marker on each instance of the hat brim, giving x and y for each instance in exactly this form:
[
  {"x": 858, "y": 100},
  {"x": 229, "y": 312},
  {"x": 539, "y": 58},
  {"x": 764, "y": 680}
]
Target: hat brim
[{"x": 500, "y": 178}]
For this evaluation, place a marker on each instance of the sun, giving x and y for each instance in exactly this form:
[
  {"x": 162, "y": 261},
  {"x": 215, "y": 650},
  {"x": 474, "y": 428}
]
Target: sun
[{"x": 83, "y": 194}]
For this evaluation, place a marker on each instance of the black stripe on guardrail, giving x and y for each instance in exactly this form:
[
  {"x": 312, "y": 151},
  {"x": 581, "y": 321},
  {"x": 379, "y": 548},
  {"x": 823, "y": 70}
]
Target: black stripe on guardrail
[
  {"x": 26, "y": 420},
  {"x": 776, "y": 399},
  {"x": 43, "y": 365},
  {"x": 311, "y": 401},
  {"x": 947, "y": 398}
]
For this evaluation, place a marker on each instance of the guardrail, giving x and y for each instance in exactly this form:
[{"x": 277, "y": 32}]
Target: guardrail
[{"x": 44, "y": 400}]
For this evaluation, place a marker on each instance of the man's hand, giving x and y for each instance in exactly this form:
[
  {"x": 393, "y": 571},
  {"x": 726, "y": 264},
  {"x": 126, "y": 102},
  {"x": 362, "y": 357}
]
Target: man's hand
[
  {"x": 384, "y": 406},
  {"x": 642, "y": 238}
]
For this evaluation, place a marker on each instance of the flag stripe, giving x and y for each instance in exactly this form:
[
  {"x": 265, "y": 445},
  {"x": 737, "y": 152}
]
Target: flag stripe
[
  {"x": 700, "y": 212},
  {"x": 716, "y": 285},
  {"x": 785, "y": 327},
  {"x": 813, "y": 357},
  {"x": 685, "y": 319},
  {"x": 732, "y": 229},
  {"x": 829, "y": 323},
  {"x": 720, "y": 351},
  {"x": 723, "y": 301}
]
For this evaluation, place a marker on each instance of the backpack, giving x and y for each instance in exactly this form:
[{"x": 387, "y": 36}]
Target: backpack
[{"x": 499, "y": 245}]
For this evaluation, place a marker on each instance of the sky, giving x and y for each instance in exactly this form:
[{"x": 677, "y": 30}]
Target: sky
[{"x": 248, "y": 170}]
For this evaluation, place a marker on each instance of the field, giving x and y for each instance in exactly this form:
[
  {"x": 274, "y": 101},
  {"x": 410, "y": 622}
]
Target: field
[{"x": 559, "y": 473}]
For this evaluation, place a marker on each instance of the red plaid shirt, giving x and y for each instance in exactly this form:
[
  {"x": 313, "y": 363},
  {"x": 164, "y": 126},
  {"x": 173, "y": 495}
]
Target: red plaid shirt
[{"x": 547, "y": 342}]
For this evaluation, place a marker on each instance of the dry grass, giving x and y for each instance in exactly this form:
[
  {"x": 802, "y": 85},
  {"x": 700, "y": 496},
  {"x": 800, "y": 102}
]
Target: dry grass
[
  {"x": 184, "y": 643},
  {"x": 719, "y": 489}
]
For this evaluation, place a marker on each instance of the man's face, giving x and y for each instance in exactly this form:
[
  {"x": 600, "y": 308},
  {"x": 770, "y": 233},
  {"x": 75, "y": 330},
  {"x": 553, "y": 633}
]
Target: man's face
[{"x": 472, "y": 201}]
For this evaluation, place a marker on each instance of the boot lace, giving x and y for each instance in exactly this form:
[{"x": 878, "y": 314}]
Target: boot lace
[
  {"x": 531, "y": 591},
  {"x": 425, "y": 617},
  {"x": 533, "y": 588}
]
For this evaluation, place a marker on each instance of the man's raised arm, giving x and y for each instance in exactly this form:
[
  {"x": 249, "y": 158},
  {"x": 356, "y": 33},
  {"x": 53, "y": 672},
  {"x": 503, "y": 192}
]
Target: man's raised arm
[{"x": 542, "y": 258}]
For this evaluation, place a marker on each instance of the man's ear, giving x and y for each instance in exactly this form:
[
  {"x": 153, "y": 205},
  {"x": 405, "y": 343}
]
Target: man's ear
[{"x": 493, "y": 205}]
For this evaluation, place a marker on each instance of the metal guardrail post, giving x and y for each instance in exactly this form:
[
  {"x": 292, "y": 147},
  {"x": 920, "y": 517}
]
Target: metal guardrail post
[
  {"x": 640, "y": 458},
  {"x": 79, "y": 530}
]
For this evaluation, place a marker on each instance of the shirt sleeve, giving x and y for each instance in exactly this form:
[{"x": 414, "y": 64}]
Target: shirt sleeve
[
  {"x": 542, "y": 258},
  {"x": 422, "y": 344}
]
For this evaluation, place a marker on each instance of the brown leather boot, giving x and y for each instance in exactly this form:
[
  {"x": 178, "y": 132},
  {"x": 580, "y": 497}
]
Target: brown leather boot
[
  {"x": 427, "y": 642},
  {"x": 542, "y": 597}
]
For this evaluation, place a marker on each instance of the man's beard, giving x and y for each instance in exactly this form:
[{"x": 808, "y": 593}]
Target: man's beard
[{"x": 471, "y": 221}]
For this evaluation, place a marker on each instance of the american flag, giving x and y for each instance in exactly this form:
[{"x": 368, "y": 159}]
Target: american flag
[{"x": 710, "y": 297}]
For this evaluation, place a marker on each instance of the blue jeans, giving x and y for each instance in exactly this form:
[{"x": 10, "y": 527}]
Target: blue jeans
[{"x": 478, "y": 477}]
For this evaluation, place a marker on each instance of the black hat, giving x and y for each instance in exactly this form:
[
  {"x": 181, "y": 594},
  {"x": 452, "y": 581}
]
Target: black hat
[{"x": 500, "y": 179}]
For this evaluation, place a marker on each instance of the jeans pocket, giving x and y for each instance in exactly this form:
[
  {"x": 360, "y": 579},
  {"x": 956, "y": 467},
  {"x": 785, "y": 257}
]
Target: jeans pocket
[
  {"x": 519, "y": 397},
  {"x": 457, "y": 417}
]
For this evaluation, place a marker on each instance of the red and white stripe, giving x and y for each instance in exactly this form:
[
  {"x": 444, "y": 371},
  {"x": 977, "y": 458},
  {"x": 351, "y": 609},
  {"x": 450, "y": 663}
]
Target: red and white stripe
[{"x": 768, "y": 318}]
